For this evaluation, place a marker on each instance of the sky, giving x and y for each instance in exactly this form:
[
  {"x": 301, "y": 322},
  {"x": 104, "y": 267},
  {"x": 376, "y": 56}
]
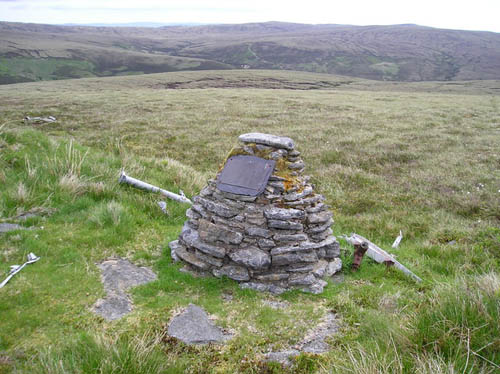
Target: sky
[{"x": 481, "y": 15}]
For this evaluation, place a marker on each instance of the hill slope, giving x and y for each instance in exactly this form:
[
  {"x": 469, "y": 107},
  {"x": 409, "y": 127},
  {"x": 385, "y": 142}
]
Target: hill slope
[{"x": 30, "y": 52}]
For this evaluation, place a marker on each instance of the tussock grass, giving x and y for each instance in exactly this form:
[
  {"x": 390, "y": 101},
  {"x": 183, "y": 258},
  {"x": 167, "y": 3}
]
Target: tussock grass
[
  {"x": 72, "y": 184},
  {"x": 430, "y": 364},
  {"x": 67, "y": 162},
  {"x": 387, "y": 159},
  {"x": 363, "y": 361},
  {"x": 102, "y": 354},
  {"x": 458, "y": 324},
  {"x": 112, "y": 213},
  {"x": 21, "y": 194}
]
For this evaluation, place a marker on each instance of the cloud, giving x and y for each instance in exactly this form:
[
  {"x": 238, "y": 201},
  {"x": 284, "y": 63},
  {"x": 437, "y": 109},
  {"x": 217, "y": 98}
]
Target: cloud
[{"x": 442, "y": 13}]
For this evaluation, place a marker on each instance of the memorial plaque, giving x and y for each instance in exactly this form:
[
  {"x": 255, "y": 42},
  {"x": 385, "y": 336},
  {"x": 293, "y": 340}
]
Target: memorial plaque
[{"x": 245, "y": 175}]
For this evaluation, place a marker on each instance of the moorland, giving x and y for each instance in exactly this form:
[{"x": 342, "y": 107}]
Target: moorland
[
  {"x": 418, "y": 157},
  {"x": 32, "y": 52}
]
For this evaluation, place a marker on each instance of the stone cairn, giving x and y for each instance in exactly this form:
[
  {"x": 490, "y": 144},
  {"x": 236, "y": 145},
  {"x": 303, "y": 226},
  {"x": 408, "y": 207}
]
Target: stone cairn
[{"x": 278, "y": 240}]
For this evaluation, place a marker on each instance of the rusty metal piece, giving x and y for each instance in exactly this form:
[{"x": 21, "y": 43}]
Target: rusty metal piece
[
  {"x": 359, "y": 251},
  {"x": 389, "y": 263}
]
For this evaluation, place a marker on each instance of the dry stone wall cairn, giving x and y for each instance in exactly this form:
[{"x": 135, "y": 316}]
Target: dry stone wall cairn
[{"x": 278, "y": 240}]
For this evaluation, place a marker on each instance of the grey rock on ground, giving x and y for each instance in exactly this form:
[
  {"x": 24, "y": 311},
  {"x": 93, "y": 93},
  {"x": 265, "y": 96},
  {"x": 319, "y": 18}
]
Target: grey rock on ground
[
  {"x": 194, "y": 327},
  {"x": 313, "y": 342},
  {"x": 6, "y": 227},
  {"x": 262, "y": 287},
  {"x": 119, "y": 275},
  {"x": 282, "y": 357},
  {"x": 337, "y": 278},
  {"x": 276, "y": 304},
  {"x": 113, "y": 307}
]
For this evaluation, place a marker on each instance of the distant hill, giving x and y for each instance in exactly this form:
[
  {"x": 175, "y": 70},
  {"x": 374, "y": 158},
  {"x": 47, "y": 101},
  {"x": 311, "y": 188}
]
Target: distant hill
[
  {"x": 30, "y": 52},
  {"x": 135, "y": 24}
]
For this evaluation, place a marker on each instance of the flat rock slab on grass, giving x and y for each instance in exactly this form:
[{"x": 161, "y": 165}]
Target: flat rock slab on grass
[
  {"x": 282, "y": 357},
  {"x": 194, "y": 327},
  {"x": 314, "y": 342},
  {"x": 113, "y": 307},
  {"x": 118, "y": 275},
  {"x": 275, "y": 304},
  {"x": 6, "y": 227}
]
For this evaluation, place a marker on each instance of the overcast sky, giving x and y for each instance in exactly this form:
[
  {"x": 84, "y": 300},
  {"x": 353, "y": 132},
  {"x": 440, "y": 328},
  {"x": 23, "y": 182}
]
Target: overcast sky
[{"x": 456, "y": 14}]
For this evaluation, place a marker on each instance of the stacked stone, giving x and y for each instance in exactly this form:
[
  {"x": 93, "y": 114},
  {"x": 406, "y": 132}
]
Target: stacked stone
[{"x": 278, "y": 240}]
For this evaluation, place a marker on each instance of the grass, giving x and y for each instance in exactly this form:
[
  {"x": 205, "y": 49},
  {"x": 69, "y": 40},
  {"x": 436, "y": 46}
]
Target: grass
[
  {"x": 32, "y": 69},
  {"x": 386, "y": 156}
]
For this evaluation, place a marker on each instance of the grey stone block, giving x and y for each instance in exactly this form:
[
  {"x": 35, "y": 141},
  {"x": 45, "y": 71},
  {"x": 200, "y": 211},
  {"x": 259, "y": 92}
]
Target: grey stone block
[
  {"x": 319, "y": 218},
  {"x": 303, "y": 246},
  {"x": 265, "y": 244},
  {"x": 194, "y": 327},
  {"x": 293, "y": 257},
  {"x": 333, "y": 267},
  {"x": 258, "y": 231},
  {"x": 301, "y": 280},
  {"x": 192, "y": 239},
  {"x": 216, "y": 208},
  {"x": 298, "y": 195},
  {"x": 299, "y": 165},
  {"x": 316, "y": 229},
  {"x": 191, "y": 259},
  {"x": 212, "y": 233},
  {"x": 174, "y": 245},
  {"x": 290, "y": 237},
  {"x": 283, "y": 214},
  {"x": 285, "y": 225},
  {"x": 251, "y": 257},
  {"x": 315, "y": 288},
  {"x": 316, "y": 208},
  {"x": 320, "y": 268},
  {"x": 307, "y": 201},
  {"x": 272, "y": 277},
  {"x": 208, "y": 259},
  {"x": 267, "y": 139},
  {"x": 237, "y": 273}
]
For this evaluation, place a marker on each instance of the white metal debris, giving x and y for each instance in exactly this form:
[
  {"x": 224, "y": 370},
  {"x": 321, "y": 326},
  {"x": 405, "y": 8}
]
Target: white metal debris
[
  {"x": 163, "y": 206},
  {"x": 14, "y": 269},
  {"x": 398, "y": 240},
  {"x": 48, "y": 119},
  {"x": 124, "y": 178}
]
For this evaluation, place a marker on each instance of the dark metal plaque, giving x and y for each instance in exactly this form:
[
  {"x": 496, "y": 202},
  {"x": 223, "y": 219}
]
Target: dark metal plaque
[{"x": 245, "y": 175}]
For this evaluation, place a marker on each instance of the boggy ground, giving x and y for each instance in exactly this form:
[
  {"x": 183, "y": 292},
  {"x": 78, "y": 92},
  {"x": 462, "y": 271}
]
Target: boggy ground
[{"x": 387, "y": 157}]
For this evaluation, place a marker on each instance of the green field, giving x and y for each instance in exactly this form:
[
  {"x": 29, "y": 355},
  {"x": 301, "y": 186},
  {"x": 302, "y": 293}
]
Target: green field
[
  {"x": 31, "y": 69},
  {"x": 418, "y": 157}
]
